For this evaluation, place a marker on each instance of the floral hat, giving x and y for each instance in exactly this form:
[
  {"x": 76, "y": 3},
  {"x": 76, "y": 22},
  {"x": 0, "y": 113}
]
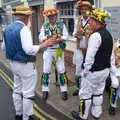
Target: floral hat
[
  {"x": 22, "y": 10},
  {"x": 81, "y": 3},
  {"x": 100, "y": 15},
  {"x": 49, "y": 12}
]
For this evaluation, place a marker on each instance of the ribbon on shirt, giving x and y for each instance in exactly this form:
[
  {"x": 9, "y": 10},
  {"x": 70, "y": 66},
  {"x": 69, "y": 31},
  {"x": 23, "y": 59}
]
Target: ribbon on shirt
[
  {"x": 83, "y": 26},
  {"x": 59, "y": 53},
  {"x": 60, "y": 50}
]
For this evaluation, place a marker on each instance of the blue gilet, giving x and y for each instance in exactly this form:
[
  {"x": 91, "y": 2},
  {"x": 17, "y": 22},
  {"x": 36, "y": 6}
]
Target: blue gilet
[{"x": 13, "y": 44}]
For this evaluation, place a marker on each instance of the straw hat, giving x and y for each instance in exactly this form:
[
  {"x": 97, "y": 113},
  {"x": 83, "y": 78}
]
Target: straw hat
[
  {"x": 49, "y": 12},
  {"x": 22, "y": 10},
  {"x": 100, "y": 15},
  {"x": 81, "y": 3}
]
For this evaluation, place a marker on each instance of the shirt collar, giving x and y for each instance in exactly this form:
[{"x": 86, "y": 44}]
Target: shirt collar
[
  {"x": 18, "y": 21},
  {"x": 85, "y": 19}
]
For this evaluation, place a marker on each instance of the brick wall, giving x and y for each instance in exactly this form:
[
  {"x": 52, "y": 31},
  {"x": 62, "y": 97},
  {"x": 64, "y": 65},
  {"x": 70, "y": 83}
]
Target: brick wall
[{"x": 70, "y": 67}]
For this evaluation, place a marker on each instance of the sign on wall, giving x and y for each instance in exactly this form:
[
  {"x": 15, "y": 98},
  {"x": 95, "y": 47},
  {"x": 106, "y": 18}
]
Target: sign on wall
[{"x": 113, "y": 24}]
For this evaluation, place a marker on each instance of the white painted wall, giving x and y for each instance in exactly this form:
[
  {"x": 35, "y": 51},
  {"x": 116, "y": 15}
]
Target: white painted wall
[
  {"x": 48, "y": 4},
  {"x": 110, "y": 3},
  {"x": 0, "y": 3}
]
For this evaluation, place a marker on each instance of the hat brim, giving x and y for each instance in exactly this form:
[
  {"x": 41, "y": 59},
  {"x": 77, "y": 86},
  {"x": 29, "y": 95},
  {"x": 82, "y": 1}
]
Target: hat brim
[
  {"x": 95, "y": 19},
  {"x": 82, "y": 4},
  {"x": 50, "y": 12},
  {"x": 89, "y": 6},
  {"x": 22, "y": 13},
  {"x": 51, "y": 15}
]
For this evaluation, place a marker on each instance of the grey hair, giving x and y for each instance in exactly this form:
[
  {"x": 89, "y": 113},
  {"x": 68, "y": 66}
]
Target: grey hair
[{"x": 20, "y": 17}]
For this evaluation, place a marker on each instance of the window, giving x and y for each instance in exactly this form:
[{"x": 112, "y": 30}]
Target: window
[
  {"x": 97, "y": 3},
  {"x": 67, "y": 12},
  {"x": 5, "y": 1},
  {"x": 66, "y": 8},
  {"x": 91, "y": 1}
]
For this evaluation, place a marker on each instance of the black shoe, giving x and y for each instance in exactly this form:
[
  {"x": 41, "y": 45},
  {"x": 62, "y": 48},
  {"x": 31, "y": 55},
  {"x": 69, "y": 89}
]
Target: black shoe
[
  {"x": 64, "y": 95},
  {"x": 18, "y": 117},
  {"x": 33, "y": 117},
  {"x": 57, "y": 84},
  {"x": 95, "y": 118},
  {"x": 111, "y": 110},
  {"x": 76, "y": 92},
  {"x": 45, "y": 95},
  {"x": 76, "y": 115}
]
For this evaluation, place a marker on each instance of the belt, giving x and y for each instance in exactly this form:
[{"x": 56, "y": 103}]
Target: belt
[
  {"x": 31, "y": 58},
  {"x": 52, "y": 48}
]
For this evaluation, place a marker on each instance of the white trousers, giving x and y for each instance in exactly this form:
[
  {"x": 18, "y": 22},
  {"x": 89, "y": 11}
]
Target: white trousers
[
  {"x": 78, "y": 60},
  {"x": 25, "y": 80},
  {"x": 48, "y": 57},
  {"x": 92, "y": 87},
  {"x": 115, "y": 83}
]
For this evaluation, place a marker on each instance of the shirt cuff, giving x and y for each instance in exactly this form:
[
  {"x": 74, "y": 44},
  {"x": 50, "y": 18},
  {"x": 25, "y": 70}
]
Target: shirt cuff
[
  {"x": 41, "y": 40},
  {"x": 37, "y": 48},
  {"x": 63, "y": 38},
  {"x": 86, "y": 71},
  {"x": 117, "y": 72}
]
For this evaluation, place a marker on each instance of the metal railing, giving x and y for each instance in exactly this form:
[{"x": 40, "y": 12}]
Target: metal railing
[{"x": 9, "y": 1}]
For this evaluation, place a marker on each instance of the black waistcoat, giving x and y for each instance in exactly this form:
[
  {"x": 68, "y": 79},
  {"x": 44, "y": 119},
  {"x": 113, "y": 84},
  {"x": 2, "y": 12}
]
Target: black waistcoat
[{"x": 103, "y": 55}]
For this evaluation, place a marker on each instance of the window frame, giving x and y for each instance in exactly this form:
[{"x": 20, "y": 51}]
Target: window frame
[{"x": 67, "y": 17}]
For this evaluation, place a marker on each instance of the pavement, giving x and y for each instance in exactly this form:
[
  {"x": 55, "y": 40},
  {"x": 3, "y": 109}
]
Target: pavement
[{"x": 54, "y": 98}]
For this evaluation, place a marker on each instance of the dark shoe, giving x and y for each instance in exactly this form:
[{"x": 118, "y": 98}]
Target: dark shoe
[
  {"x": 111, "y": 110},
  {"x": 33, "y": 117},
  {"x": 95, "y": 118},
  {"x": 76, "y": 115},
  {"x": 64, "y": 96},
  {"x": 45, "y": 95},
  {"x": 57, "y": 84},
  {"x": 18, "y": 117},
  {"x": 76, "y": 92}
]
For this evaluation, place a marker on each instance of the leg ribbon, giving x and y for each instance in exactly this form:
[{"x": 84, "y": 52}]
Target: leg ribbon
[
  {"x": 78, "y": 81},
  {"x": 113, "y": 95},
  {"x": 44, "y": 79},
  {"x": 82, "y": 107},
  {"x": 63, "y": 79}
]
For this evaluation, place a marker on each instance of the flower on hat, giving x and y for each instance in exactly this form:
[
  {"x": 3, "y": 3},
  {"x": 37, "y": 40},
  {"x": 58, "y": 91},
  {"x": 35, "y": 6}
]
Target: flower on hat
[
  {"x": 100, "y": 15},
  {"x": 81, "y": 3},
  {"x": 49, "y": 12},
  {"x": 22, "y": 10}
]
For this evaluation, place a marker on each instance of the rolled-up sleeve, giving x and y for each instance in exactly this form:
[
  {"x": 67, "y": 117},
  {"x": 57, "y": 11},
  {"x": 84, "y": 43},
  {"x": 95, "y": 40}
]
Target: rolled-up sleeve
[
  {"x": 93, "y": 46},
  {"x": 65, "y": 33},
  {"x": 75, "y": 26},
  {"x": 113, "y": 68},
  {"x": 3, "y": 47},
  {"x": 27, "y": 41},
  {"x": 42, "y": 34}
]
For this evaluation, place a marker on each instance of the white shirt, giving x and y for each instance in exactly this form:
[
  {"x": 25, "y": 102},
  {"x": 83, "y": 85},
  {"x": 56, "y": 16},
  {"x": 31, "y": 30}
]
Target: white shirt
[
  {"x": 26, "y": 41},
  {"x": 113, "y": 68},
  {"x": 95, "y": 41},
  {"x": 63, "y": 37},
  {"x": 82, "y": 41}
]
